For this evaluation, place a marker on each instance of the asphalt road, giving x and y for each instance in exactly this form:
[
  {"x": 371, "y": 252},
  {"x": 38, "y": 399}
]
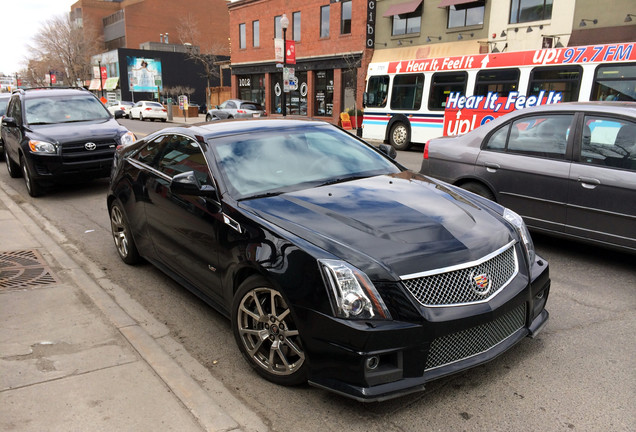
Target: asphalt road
[{"x": 579, "y": 374}]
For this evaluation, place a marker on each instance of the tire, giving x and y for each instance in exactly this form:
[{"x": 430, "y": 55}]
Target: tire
[
  {"x": 33, "y": 187},
  {"x": 120, "y": 228},
  {"x": 479, "y": 189},
  {"x": 208, "y": 118},
  {"x": 163, "y": 120},
  {"x": 12, "y": 167},
  {"x": 273, "y": 335},
  {"x": 400, "y": 136},
  {"x": 141, "y": 117}
]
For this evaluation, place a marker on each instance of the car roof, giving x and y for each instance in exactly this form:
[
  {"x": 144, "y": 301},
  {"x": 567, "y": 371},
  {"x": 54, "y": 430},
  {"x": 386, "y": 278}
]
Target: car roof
[
  {"x": 51, "y": 91},
  {"x": 628, "y": 108}
]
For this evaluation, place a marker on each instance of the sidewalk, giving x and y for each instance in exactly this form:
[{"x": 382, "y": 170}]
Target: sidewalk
[{"x": 73, "y": 358}]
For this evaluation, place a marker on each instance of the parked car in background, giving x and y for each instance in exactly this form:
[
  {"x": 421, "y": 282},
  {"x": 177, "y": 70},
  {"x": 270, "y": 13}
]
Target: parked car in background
[
  {"x": 235, "y": 108},
  {"x": 568, "y": 169},
  {"x": 54, "y": 134},
  {"x": 336, "y": 265},
  {"x": 143, "y": 110},
  {"x": 4, "y": 101},
  {"x": 121, "y": 105}
]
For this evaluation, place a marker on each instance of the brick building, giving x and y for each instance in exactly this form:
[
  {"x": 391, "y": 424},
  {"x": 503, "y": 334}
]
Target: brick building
[
  {"x": 331, "y": 54},
  {"x": 131, "y": 23}
]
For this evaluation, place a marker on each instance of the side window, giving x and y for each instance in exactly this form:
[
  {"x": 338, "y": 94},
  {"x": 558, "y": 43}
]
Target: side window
[
  {"x": 16, "y": 110},
  {"x": 541, "y": 136},
  {"x": 377, "y": 91},
  {"x": 444, "y": 84},
  {"x": 497, "y": 141},
  {"x": 183, "y": 154},
  {"x": 407, "y": 91},
  {"x": 609, "y": 142},
  {"x": 230, "y": 105},
  {"x": 500, "y": 81},
  {"x": 615, "y": 82},
  {"x": 149, "y": 154},
  {"x": 565, "y": 80}
]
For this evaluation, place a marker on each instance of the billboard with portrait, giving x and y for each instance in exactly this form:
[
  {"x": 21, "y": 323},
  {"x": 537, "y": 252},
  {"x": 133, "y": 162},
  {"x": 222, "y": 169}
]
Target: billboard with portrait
[{"x": 144, "y": 74}]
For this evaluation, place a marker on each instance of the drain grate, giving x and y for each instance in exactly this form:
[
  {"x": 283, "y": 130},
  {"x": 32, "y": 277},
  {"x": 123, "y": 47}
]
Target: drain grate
[{"x": 24, "y": 269}]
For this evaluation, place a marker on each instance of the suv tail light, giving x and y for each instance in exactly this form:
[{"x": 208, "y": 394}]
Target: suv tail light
[{"x": 426, "y": 149}]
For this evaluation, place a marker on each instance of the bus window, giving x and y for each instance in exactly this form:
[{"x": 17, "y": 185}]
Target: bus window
[
  {"x": 500, "y": 81},
  {"x": 565, "y": 80},
  {"x": 407, "y": 92},
  {"x": 377, "y": 90},
  {"x": 615, "y": 82},
  {"x": 442, "y": 85}
]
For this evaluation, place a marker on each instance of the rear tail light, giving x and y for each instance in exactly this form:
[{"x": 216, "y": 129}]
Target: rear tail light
[
  {"x": 148, "y": 109},
  {"x": 241, "y": 111},
  {"x": 426, "y": 149},
  {"x": 164, "y": 110}
]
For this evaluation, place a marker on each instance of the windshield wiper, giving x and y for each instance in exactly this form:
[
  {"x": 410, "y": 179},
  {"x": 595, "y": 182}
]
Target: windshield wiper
[
  {"x": 262, "y": 195},
  {"x": 342, "y": 180}
]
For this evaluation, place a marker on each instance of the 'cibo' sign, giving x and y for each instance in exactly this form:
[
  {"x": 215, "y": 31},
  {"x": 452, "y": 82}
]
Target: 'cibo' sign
[{"x": 370, "y": 23}]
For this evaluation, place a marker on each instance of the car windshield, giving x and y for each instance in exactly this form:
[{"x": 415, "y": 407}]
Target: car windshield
[
  {"x": 64, "y": 109},
  {"x": 277, "y": 161}
]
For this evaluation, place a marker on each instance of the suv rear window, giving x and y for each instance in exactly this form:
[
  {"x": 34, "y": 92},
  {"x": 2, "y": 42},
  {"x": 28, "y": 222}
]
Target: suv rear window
[{"x": 251, "y": 106}]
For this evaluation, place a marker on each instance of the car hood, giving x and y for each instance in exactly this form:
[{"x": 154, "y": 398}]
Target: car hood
[
  {"x": 77, "y": 131},
  {"x": 404, "y": 223}
]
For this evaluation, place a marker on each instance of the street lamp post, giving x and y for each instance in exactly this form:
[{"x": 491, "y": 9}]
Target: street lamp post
[
  {"x": 101, "y": 83},
  {"x": 284, "y": 23}
]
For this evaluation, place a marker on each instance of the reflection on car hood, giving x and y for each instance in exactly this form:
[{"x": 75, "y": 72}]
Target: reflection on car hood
[
  {"x": 77, "y": 131},
  {"x": 404, "y": 222}
]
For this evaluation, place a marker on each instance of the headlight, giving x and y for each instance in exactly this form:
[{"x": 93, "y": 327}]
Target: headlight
[
  {"x": 521, "y": 228},
  {"x": 42, "y": 147},
  {"x": 127, "y": 139},
  {"x": 351, "y": 292}
]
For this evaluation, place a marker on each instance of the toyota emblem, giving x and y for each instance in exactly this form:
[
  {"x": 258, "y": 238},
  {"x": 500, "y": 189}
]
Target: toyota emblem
[{"x": 90, "y": 146}]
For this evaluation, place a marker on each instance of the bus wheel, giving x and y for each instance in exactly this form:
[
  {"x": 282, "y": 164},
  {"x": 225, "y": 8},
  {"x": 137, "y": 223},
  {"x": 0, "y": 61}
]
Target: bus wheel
[{"x": 400, "y": 137}]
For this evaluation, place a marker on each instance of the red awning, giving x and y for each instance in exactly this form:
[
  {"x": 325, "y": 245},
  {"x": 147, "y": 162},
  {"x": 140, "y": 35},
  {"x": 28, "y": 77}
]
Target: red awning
[
  {"x": 447, "y": 3},
  {"x": 402, "y": 8}
]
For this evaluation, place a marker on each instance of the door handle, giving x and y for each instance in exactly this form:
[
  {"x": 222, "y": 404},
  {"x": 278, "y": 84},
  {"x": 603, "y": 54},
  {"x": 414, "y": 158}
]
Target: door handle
[
  {"x": 588, "y": 182},
  {"x": 491, "y": 167}
]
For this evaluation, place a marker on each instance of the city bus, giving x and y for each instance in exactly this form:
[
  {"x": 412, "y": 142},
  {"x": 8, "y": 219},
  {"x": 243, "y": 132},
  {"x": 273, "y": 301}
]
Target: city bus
[{"x": 405, "y": 100}]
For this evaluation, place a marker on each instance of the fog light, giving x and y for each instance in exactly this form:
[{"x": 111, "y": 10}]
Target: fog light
[{"x": 373, "y": 362}]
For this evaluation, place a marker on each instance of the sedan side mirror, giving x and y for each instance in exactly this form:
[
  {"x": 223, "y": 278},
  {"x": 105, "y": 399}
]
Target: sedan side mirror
[
  {"x": 388, "y": 150},
  {"x": 187, "y": 183}
]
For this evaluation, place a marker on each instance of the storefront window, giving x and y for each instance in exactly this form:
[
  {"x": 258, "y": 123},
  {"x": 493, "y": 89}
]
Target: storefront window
[
  {"x": 252, "y": 88},
  {"x": 296, "y": 99},
  {"x": 323, "y": 93}
]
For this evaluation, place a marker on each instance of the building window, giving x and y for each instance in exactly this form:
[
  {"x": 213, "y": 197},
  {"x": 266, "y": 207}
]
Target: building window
[
  {"x": 256, "y": 37},
  {"x": 471, "y": 14},
  {"x": 296, "y": 99},
  {"x": 324, "y": 21},
  {"x": 242, "y": 36},
  {"x": 345, "y": 17},
  {"x": 530, "y": 10},
  {"x": 407, "y": 23},
  {"x": 323, "y": 93},
  {"x": 278, "y": 30},
  {"x": 296, "y": 26},
  {"x": 252, "y": 88}
]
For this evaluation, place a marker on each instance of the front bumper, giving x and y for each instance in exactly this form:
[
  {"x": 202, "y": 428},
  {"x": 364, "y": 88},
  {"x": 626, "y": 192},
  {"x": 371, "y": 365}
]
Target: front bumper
[
  {"x": 378, "y": 360},
  {"x": 54, "y": 167}
]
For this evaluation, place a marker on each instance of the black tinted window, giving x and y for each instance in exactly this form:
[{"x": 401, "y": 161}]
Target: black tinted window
[
  {"x": 443, "y": 85},
  {"x": 150, "y": 153},
  {"x": 251, "y": 106},
  {"x": 181, "y": 155}
]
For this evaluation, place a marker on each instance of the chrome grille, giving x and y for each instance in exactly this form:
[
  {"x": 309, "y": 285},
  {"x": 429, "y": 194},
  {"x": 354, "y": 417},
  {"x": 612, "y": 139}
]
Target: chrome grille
[
  {"x": 460, "y": 285},
  {"x": 76, "y": 152},
  {"x": 467, "y": 343}
]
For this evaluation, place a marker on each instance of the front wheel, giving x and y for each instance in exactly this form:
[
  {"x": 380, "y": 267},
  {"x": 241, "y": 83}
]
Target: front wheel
[
  {"x": 33, "y": 187},
  {"x": 400, "y": 136},
  {"x": 208, "y": 118},
  {"x": 124, "y": 241},
  {"x": 266, "y": 334}
]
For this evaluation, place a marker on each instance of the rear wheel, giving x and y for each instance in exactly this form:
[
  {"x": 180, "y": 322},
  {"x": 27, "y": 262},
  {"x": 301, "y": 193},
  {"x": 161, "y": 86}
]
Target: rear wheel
[
  {"x": 12, "y": 167},
  {"x": 208, "y": 118},
  {"x": 400, "y": 136},
  {"x": 33, "y": 187},
  {"x": 479, "y": 189},
  {"x": 266, "y": 334},
  {"x": 141, "y": 117},
  {"x": 120, "y": 229}
]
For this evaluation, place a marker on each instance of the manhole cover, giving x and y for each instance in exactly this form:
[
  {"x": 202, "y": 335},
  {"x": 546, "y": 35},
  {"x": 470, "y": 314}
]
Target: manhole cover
[{"x": 24, "y": 269}]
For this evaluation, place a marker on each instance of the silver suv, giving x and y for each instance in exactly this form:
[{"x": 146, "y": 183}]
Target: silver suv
[{"x": 235, "y": 108}]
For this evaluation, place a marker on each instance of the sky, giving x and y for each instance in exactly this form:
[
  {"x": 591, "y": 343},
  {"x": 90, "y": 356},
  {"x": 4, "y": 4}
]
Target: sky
[{"x": 20, "y": 22}]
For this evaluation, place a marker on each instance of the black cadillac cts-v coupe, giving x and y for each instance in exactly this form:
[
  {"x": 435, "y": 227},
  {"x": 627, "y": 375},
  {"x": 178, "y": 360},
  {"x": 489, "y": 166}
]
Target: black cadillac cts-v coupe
[{"x": 335, "y": 264}]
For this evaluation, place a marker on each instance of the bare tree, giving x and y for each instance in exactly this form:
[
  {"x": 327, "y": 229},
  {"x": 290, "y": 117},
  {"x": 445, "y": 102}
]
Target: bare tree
[
  {"x": 209, "y": 57},
  {"x": 65, "y": 47}
]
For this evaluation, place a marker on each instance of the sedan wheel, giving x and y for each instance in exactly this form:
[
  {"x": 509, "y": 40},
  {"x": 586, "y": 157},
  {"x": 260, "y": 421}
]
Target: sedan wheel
[
  {"x": 141, "y": 117},
  {"x": 208, "y": 118},
  {"x": 121, "y": 235},
  {"x": 32, "y": 185},
  {"x": 12, "y": 167},
  {"x": 399, "y": 136},
  {"x": 266, "y": 333}
]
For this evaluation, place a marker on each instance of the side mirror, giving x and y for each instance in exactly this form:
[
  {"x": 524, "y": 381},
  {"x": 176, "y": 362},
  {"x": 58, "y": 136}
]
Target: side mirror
[
  {"x": 119, "y": 114},
  {"x": 187, "y": 183},
  {"x": 388, "y": 150},
  {"x": 9, "y": 122},
  {"x": 364, "y": 99}
]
